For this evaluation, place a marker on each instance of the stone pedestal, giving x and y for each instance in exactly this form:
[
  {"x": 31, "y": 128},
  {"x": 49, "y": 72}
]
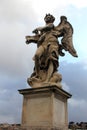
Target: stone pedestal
[{"x": 44, "y": 108}]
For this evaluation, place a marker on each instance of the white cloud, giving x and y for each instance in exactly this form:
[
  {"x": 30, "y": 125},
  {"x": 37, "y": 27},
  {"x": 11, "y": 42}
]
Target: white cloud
[
  {"x": 15, "y": 24},
  {"x": 77, "y": 102},
  {"x": 6, "y": 119},
  {"x": 84, "y": 62},
  {"x": 65, "y": 87},
  {"x": 14, "y": 10},
  {"x": 42, "y": 7},
  {"x": 79, "y": 3},
  {"x": 77, "y": 110}
]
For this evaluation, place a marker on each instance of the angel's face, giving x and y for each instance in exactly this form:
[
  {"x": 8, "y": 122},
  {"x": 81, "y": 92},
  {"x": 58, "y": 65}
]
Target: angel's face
[{"x": 49, "y": 18}]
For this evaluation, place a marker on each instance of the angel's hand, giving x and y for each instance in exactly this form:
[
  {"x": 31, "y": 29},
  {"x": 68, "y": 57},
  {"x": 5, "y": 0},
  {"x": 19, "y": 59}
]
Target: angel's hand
[{"x": 35, "y": 31}]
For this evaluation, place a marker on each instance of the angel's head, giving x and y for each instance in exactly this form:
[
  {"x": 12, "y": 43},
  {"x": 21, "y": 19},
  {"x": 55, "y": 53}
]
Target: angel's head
[{"x": 49, "y": 18}]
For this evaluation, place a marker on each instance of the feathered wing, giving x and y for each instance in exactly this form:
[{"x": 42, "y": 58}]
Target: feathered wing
[
  {"x": 67, "y": 45},
  {"x": 66, "y": 32}
]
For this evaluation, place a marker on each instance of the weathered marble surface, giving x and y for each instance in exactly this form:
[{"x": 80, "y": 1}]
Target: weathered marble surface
[
  {"x": 49, "y": 49},
  {"x": 45, "y": 108}
]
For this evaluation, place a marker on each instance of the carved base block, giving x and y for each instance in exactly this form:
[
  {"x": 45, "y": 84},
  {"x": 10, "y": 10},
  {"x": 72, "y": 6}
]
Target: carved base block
[
  {"x": 44, "y": 108},
  {"x": 55, "y": 80}
]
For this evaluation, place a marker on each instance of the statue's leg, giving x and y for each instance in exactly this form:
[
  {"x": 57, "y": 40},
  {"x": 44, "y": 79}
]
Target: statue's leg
[
  {"x": 37, "y": 56},
  {"x": 53, "y": 57},
  {"x": 49, "y": 71}
]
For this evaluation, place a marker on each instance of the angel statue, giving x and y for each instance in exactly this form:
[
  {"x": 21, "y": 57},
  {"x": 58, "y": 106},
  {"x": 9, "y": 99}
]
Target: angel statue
[{"x": 48, "y": 51}]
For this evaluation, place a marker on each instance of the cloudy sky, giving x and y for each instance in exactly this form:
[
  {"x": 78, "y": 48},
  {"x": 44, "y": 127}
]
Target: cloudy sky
[{"x": 17, "y": 19}]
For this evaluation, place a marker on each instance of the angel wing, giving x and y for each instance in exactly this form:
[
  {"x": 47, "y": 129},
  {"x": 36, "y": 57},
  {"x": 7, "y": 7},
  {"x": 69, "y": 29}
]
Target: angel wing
[
  {"x": 67, "y": 41},
  {"x": 66, "y": 31}
]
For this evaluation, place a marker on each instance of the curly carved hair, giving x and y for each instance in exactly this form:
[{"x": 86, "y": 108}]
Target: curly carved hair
[{"x": 49, "y": 18}]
